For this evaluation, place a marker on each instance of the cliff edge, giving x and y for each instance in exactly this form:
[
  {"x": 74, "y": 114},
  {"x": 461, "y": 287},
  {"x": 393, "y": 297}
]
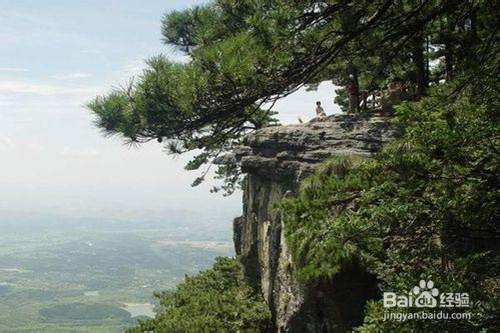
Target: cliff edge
[{"x": 275, "y": 160}]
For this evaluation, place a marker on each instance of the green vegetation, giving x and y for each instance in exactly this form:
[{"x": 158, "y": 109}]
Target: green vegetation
[
  {"x": 425, "y": 207},
  {"x": 83, "y": 275},
  {"x": 82, "y": 311},
  {"x": 4, "y": 290},
  {"x": 216, "y": 300},
  {"x": 244, "y": 55}
]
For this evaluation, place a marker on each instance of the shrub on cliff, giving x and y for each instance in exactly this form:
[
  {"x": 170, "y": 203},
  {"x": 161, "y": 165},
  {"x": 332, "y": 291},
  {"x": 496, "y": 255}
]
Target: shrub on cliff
[
  {"x": 424, "y": 208},
  {"x": 216, "y": 300}
]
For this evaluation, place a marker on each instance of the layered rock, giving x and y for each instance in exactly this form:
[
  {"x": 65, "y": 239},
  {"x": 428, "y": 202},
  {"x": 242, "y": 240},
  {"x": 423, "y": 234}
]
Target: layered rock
[{"x": 275, "y": 159}]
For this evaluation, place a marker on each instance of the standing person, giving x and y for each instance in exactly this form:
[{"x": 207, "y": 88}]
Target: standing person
[
  {"x": 353, "y": 91},
  {"x": 320, "y": 112}
]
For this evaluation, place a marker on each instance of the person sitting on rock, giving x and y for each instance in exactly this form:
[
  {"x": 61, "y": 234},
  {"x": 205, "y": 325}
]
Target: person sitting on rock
[{"x": 320, "y": 112}]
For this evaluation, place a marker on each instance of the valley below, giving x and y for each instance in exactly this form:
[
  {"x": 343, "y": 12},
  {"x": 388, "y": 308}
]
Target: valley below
[{"x": 96, "y": 275}]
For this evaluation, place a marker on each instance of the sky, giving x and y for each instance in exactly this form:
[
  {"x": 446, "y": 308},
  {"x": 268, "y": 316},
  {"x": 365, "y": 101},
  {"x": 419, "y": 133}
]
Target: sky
[{"x": 55, "y": 55}]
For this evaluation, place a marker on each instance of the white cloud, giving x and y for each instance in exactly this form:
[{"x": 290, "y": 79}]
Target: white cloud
[
  {"x": 82, "y": 153},
  {"x": 69, "y": 76},
  {"x": 12, "y": 69},
  {"x": 5, "y": 101},
  {"x": 5, "y": 143},
  {"x": 24, "y": 87},
  {"x": 91, "y": 51},
  {"x": 22, "y": 97},
  {"x": 135, "y": 66},
  {"x": 12, "y": 86}
]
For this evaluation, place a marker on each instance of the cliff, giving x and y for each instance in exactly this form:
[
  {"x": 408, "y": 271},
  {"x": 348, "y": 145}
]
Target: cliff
[{"x": 275, "y": 160}]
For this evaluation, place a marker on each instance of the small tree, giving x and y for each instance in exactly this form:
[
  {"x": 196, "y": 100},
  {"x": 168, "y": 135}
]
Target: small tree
[{"x": 216, "y": 300}]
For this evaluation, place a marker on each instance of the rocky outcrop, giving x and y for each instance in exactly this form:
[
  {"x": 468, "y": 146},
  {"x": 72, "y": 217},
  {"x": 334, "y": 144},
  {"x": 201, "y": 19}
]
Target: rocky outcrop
[{"x": 275, "y": 159}]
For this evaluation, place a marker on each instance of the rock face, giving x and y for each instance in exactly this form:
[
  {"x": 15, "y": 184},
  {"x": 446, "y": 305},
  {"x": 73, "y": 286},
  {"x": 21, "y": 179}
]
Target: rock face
[{"x": 275, "y": 159}]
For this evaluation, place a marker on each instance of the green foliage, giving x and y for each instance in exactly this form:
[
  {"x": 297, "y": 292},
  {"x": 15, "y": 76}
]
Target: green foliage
[
  {"x": 425, "y": 207},
  {"x": 82, "y": 311},
  {"x": 189, "y": 28},
  {"x": 342, "y": 99},
  {"x": 418, "y": 210},
  {"x": 413, "y": 212},
  {"x": 216, "y": 300},
  {"x": 123, "y": 267},
  {"x": 245, "y": 55}
]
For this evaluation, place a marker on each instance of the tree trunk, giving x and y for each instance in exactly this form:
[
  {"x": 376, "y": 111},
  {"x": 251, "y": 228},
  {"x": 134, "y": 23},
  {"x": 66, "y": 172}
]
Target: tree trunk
[
  {"x": 448, "y": 61},
  {"x": 421, "y": 79}
]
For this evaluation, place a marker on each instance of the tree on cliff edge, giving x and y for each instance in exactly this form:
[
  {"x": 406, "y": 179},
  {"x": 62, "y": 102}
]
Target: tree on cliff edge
[
  {"x": 418, "y": 210},
  {"x": 246, "y": 54}
]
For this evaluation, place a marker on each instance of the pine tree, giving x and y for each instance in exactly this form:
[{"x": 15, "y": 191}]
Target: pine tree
[
  {"x": 244, "y": 55},
  {"x": 411, "y": 212}
]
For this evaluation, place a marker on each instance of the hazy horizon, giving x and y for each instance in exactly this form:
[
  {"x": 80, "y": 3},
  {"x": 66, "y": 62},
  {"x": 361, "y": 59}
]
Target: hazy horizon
[{"x": 54, "y": 57}]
